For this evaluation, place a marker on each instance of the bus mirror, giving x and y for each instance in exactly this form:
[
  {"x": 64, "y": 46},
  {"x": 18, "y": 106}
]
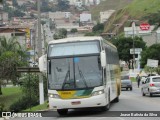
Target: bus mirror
[
  {"x": 103, "y": 58},
  {"x": 43, "y": 64}
]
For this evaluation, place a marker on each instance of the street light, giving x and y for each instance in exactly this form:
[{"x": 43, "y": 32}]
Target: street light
[{"x": 133, "y": 26}]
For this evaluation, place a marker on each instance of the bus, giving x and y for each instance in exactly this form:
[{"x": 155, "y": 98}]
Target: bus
[{"x": 82, "y": 72}]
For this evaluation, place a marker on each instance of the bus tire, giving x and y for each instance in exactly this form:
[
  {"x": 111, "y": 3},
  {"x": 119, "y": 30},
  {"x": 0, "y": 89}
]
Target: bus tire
[
  {"x": 105, "y": 108},
  {"x": 109, "y": 101},
  {"x": 116, "y": 99},
  {"x": 62, "y": 111}
]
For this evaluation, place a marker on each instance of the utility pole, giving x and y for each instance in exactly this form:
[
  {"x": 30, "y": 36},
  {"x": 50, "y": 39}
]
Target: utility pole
[
  {"x": 133, "y": 26},
  {"x": 41, "y": 89},
  {"x": 133, "y": 35}
]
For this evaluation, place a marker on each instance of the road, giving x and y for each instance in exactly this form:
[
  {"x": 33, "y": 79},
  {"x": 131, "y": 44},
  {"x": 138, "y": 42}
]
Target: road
[{"x": 131, "y": 101}]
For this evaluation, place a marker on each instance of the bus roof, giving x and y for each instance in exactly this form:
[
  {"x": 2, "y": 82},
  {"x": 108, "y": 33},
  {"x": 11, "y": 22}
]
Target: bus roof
[{"x": 74, "y": 39}]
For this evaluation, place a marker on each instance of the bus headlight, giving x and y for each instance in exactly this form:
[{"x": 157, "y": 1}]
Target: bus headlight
[
  {"x": 98, "y": 92},
  {"x": 53, "y": 95}
]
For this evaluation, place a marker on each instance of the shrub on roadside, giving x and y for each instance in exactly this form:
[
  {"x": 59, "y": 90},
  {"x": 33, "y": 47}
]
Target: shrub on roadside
[
  {"x": 1, "y": 108},
  {"x": 23, "y": 103}
]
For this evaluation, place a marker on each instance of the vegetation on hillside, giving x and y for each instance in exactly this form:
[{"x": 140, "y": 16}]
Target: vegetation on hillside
[
  {"x": 108, "y": 5},
  {"x": 137, "y": 10}
]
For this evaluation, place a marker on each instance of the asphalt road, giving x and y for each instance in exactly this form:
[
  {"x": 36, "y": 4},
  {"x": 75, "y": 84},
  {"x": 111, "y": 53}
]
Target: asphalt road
[{"x": 130, "y": 102}]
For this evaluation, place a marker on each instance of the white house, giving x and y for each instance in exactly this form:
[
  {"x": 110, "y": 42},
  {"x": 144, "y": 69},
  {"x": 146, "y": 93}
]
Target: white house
[
  {"x": 85, "y": 17},
  {"x": 59, "y": 15},
  {"x": 4, "y": 17},
  {"x": 68, "y": 25},
  {"x": 149, "y": 36}
]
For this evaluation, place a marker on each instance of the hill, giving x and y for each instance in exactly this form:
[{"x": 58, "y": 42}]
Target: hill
[
  {"x": 137, "y": 10},
  {"x": 108, "y": 5}
]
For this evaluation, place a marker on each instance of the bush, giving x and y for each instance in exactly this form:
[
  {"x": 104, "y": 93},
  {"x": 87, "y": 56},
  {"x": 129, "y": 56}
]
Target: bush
[
  {"x": 23, "y": 103},
  {"x": 1, "y": 109}
]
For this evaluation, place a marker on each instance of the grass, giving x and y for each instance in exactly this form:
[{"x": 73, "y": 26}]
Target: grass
[
  {"x": 133, "y": 79},
  {"x": 135, "y": 10},
  {"x": 144, "y": 6},
  {"x": 108, "y": 5},
  {"x": 9, "y": 96},
  {"x": 38, "y": 107}
]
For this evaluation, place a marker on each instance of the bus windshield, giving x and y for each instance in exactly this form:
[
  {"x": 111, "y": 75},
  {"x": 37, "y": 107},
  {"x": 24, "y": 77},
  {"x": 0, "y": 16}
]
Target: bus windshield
[
  {"x": 74, "y": 48},
  {"x": 75, "y": 73}
]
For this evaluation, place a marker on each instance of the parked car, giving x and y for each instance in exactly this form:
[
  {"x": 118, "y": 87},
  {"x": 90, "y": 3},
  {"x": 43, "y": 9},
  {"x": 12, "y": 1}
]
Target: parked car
[
  {"x": 126, "y": 82},
  {"x": 151, "y": 86}
]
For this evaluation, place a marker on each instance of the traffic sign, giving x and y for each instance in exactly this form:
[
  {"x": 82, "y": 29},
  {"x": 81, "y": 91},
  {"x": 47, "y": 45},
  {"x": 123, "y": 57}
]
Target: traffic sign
[
  {"x": 144, "y": 26},
  {"x": 152, "y": 63},
  {"x": 135, "y": 51}
]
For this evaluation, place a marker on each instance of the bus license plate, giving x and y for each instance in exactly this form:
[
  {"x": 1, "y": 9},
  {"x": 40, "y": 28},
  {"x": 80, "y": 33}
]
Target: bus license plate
[{"x": 76, "y": 103}]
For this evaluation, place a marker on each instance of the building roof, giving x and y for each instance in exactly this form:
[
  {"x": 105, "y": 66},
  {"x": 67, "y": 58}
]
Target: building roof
[{"x": 11, "y": 30}]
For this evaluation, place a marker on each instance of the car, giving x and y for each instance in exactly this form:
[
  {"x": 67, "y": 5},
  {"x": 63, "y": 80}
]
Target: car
[
  {"x": 143, "y": 78},
  {"x": 126, "y": 82},
  {"x": 151, "y": 86}
]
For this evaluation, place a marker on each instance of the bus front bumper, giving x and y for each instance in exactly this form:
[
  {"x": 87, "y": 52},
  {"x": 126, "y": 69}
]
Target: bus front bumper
[{"x": 93, "y": 101}]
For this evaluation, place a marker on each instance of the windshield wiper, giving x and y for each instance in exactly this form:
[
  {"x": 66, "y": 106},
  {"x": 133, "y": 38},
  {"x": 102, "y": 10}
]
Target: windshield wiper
[
  {"x": 82, "y": 76},
  {"x": 65, "y": 79}
]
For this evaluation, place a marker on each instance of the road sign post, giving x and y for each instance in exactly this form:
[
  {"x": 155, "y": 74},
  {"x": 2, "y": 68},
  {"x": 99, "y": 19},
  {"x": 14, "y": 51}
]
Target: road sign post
[
  {"x": 137, "y": 51},
  {"x": 152, "y": 63}
]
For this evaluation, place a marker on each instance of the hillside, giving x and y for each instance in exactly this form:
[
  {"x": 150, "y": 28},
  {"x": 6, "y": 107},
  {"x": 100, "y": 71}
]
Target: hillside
[
  {"x": 108, "y": 5},
  {"x": 137, "y": 10}
]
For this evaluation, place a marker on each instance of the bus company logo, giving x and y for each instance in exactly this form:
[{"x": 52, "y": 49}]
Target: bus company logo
[
  {"x": 6, "y": 114},
  {"x": 66, "y": 93}
]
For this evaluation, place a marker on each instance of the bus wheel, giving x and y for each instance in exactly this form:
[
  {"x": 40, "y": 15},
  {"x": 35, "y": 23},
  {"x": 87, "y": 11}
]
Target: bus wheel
[
  {"x": 116, "y": 99},
  {"x": 109, "y": 101},
  {"x": 105, "y": 108},
  {"x": 62, "y": 111}
]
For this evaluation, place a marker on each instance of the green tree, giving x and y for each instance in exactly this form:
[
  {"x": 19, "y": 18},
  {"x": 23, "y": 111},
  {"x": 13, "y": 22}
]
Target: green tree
[
  {"x": 30, "y": 90},
  {"x": 74, "y": 30},
  {"x": 63, "y": 5},
  {"x": 151, "y": 52},
  {"x": 15, "y": 4},
  {"x": 98, "y": 28},
  {"x": 63, "y": 33},
  {"x": 124, "y": 45},
  {"x": 45, "y": 6},
  {"x": 30, "y": 86},
  {"x": 11, "y": 57},
  {"x": 89, "y": 34}
]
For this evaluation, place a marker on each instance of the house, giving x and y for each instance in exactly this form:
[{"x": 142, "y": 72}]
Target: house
[
  {"x": 66, "y": 24},
  {"x": 10, "y": 3},
  {"x": 85, "y": 17},
  {"x": 58, "y": 15},
  {"x": 9, "y": 32},
  {"x": 3, "y": 18},
  {"x": 149, "y": 36}
]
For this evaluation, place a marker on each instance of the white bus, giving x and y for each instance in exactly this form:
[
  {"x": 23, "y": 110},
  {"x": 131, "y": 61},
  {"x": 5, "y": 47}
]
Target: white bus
[{"x": 82, "y": 72}]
